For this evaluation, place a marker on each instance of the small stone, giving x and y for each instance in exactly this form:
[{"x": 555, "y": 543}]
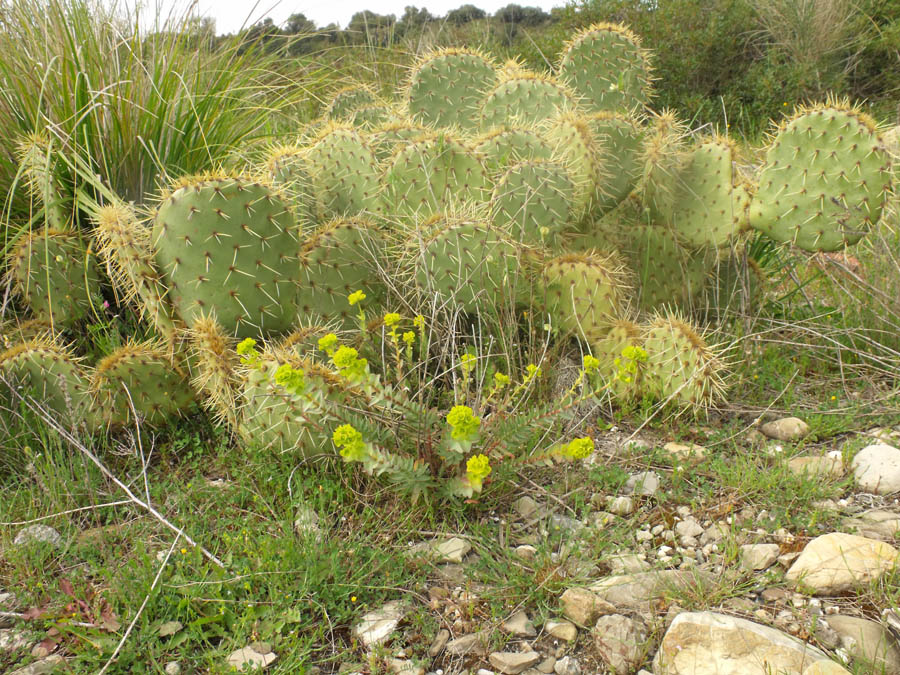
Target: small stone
[
  {"x": 714, "y": 533},
  {"x": 484, "y": 671},
  {"x": 627, "y": 563},
  {"x": 567, "y": 665},
  {"x": 826, "y": 635},
  {"x": 603, "y": 519},
  {"x": 688, "y": 528},
  {"x": 620, "y": 506},
  {"x": 562, "y": 630},
  {"x": 526, "y": 551},
  {"x": 881, "y": 525},
  {"x": 404, "y": 667},
  {"x": 43, "y": 667},
  {"x": 637, "y": 591},
  {"x": 473, "y": 643},
  {"x": 834, "y": 563},
  {"x": 13, "y": 640},
  {"x": 440, "y": 641},
  {"x": 375, "y": 627},
  {"x": 173, "y": 668},
  {"x": 869, "y": 642},
  {"x": 452, "y": 550},
  {"x": 248, "y": 659},
  {"x": 759, "y": 556},
  {"x": 545, "y": 666},
  {"x": 40, "y": 651},
  {"x": 519, "y": 624},
  {"x": 817, "y": 467},
  {"x": 877, "y": 469},
  {"x": 43, "y": 534},
  {"x": 526, "y": 507},
  {"x": 561, "y": 523},
  {"x": 684, "y": 452},
  {"x": 785, "y": 429},
  {"x": 774, "y": 595},
  {"x": 513, "y": 663},
  {"x": 584, "y": 607},
  {"x": 620, "y": 642},
  {"x": 644, "y": 484}
]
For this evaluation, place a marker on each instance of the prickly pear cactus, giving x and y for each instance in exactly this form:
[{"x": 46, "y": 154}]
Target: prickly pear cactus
[
  {"x": 337, "y": 260},
  {"x": 387, "y": 138},
  {"x": 370, "y": 116},
  {"x": 502, "y": 147},
  {"x": 607, "y": 67},
  {"x": 535, "y": 201},
  {"x": 39, "y": 165},
  {"x": 344, "y": 173},
  {"x": 585, "y": 293},
  {"x": 465, "y": 263},
  {"x": 620, "y": 138},
  {"x": 50, "y": 377},
  {"x": 423, "y": 178},
  {"x": 447, "y": 86},
  {"x": 574, "y": 140},
  {"x": 55, "y": 275},
  {"x": 825, "y": 181},
  {"x": 288, "y": 171},
  {"x": 228, "y": 245},
  {"x": 140, "y": 378},
  {"x": 621, "y": 374},
  {"x": 524, "y": 98},
  {"x": 681, "y": 367},
  {"x": 214, "y": 363},
  {"x": 347, "y": 100}
]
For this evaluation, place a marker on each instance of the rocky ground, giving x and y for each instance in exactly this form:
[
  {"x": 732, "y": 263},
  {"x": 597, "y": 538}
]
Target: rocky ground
[{"x": 686, "y": 593}]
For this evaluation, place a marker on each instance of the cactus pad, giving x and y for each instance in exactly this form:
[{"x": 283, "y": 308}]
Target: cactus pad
[
  {"x": 621, "y": 139},
  {"x": 534, "y": 201},
  {"x": 287, "y": 169},
  {"x": 347, "y": 100},
  {"x": 525, "y": 98},
  {"x": 502, "y": 147}
]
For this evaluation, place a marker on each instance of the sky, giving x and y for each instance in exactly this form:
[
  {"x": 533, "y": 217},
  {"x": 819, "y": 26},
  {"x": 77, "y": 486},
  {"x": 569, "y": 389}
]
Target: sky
[{"x": 230, "y": 15}]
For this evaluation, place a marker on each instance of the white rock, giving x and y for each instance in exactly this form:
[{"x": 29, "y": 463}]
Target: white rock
[
  {"x": 817, "y": 467},
  {"x": 12, "y": 640},
  {"x": 868, "y": 641},
  {"x": 708, "y": 643},
  {"x": 759, "y": 556},
  {"x": 627, "y": 563},
  {"x": 519, "y": 624},
  {"x": 473, "y": 643},
  {"x": 685, "y": 452},
  {"x": 688, "y": 528},
  {"x": 526, "y": 507},
  {"x": 38, "y": 533},
  {"x": 567, "y": 665},
  {"x": 644, "y": 484},
  {"x": 526, "y": 551},
  {"x": 620, "y": 506},
  {"x": 248, "y": 659},
  {"x": 877, "y": 524},
  {"x": 583, "y": 607},
  {"x": 620, "y": 641},
  {"x": 404, "y": 667},
  {"x": 877, "y": 469},
  {"x": 637, "y": 591},
  {"x": 834, "y": 563},
  {"x": 452, "y": 550},
  {"x": 173, "y": 668},
  {"x": 43, "y": 667},
  {"x": 563, "y": 630},
  {"x": 513, "y": 663},
  {"x": 375, "y": 627},
  {"x": 785, "y": 429}
]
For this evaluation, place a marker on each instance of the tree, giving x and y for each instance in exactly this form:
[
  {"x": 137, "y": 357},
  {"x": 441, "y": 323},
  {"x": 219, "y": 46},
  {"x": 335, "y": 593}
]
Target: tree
[
  {"x": 465, "y": 14},
  {"x": 372, "y": 28},
  {"x": 298, "y": 24},
  {"x": 412, "y": 21}
]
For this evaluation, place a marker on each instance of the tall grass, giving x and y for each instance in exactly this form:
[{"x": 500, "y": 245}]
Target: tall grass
[{"x": 139, "y": 96}]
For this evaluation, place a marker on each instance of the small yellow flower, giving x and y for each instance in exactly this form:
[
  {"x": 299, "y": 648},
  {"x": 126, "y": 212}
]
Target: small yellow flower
[
  {"x": 355, "y": 297},
  {"x": 580, "y": 448},
  {"x": 478, "y": 467},
  {"x": 391, "y": 319},
  {"x": 834, "y": 398},
  {"x": 328, "y": 343},
  {"x": 756, "y": 377},
  {"x": 501, "y": 380},
  {"x": 352, "y": 598},
  {"x": 463, "y": 423},
  {"x": 419, "y": 322},
  {"x": 591, "y": 364},
  {"x": 184, "y": 551},
  {"x": 409, "y": 337}
]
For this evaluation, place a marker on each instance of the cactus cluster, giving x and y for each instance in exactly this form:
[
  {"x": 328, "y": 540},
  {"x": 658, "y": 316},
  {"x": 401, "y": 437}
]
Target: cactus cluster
[{"x": 559, "y": 193}]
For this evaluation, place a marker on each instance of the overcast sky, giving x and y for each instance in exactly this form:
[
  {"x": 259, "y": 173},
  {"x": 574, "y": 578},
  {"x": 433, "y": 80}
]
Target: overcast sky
[{"x": 230, "y": 15}]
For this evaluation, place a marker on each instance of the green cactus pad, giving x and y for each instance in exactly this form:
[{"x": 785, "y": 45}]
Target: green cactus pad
[
  {"x": 621, "y": 139},
  {"x": 465, "y": 263},
  {"x": 825, "y": 180},
  {"x": 344, "y": 172},
  {"x": 48, "y": 375},
  {"x": 55, "y": 275},
  {"x": 141, "y": 375},
  {"x": 303, "y": 341},
  {"x": 287, "y": 170},
  {"x": 228, "y": 245},
  {"x": 584, "y": 293},
  {"x": 371, "y": 116},
  {"x": 389, "y": 137},
  {"x": 337, "y": 260},
  {"x": 681, "y": 368},
  {"x": 502, "y": 147},
  {"x": 427, "y": 176},
  {"x": 534, "y": 202},
  {"x": 607, "y": 68},
  {"x": 524, "y": 98},
  {"x": 347, "y": 100},
  {"x": 447, "y": 86},
  {"x": 214, "y": 364},
  {"x": 573, "y": 138}
]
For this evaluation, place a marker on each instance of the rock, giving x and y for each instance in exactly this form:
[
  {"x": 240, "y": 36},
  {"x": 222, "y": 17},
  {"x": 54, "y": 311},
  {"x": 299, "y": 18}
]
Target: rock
[
  {"x": 826, "y": 668},
  {"x": 714, "y": 533},
  {"x": 644, "y": 484},
  {"x": 620, "y": 506},
  {"x": 173, "y": 668},
  {"x": 513, "y": 663},
  {"x": 759, "y": 556},
  {"x": 375, "y": 627},
  {"x": 583, "y": 607},
  {"x": 14, "y": 640},
  {"x": 546, "y": 666},
  {"x": 452, "y": 550},
  {"x": 627, "y": 563},
  {"x": 306, "y": 523},
  {"x": 869, "y": 642},
  {"x": 688, "y": 527},
  {"x": 526, "y": 551},
  {"x": 43, "y": 667},
  {"x": 819, "y": 467},
  {"x": 474, "y": 643},
  {"x": 563, "y": 630},
  {"x": 41, "y": 651},
  {"x": 684, "y": 452},
  {"x": 38, "y": 533},
  {"x": 620, "y": 641},
  {"x": 602, "y": 519},
  {"x": 877, "y": 469},
  {"x": 526, "y": 507},
  {"x": 834, "y": 563},
  {"x": 708, "y": 643},
  {"x": 248, "y": 659},
  {"x": 567, "y": 665},
  {"x": 404, "y": 667},
  {"x": 785, "y": 429},
  {"x": 637, "y": 591},
  {"x": 877, "y": 524},
  {"x": 440, "y": 641},
  {"x": 519, "y": 624}
]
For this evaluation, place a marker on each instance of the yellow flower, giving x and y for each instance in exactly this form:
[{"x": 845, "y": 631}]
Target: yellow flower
[
  {"x": 246, "y": 346},
  {"x": 352, "y": 598},
  {"x": 355, "y": 297},
  {"x": 463, "y": 423},
  {"x": 501, "y": 380},
  {"x": 419, "y": 322},
  {"x": 477, "y": 469},
  {"x": 350, "y": 441},
  {"x": 345, "y": 357},
  {"x": 290, "y": 378},
  {"x": 579, "y": 448},
  {"x": 590, "y": 364},
  {"x": 409, "y": 337},
  {"x": 467, "y": 362},
  {"x": 391, "y": 319},
  {"x": 184, "y": 551},
  {"x": 328, "y": 343}
]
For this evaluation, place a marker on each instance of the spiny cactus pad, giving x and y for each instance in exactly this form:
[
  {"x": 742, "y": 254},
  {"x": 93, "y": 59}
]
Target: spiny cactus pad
[
  {"x": 524, "y": 98},
  {"x": 344, "y": 173},
  {"x": 573, "y": 138},
  {"x": 607, "y": 68},
  {"x": 424, "y": 177},
  {"x": 228, "y": 245},
  {"x": 825, "y": 180},
  {"x": 623, "y": 381},
  {"x": 54, "y": 273},
  {"x": 681, "y": 367},
  {"x": 502, "y": 147},
  {"x": 348, "y": 100},
  {"x": 447, "y": 86},
  {"x": 287, "y": 169},
  {"x": 214, "y": 363},
  {"x": 584, "y": 293},
  {"x": 534, "y": 201},
  {"x": 142, "y": 375},
  {"x": 387, "y": 138},
  {"x": 621, "y": 139}
]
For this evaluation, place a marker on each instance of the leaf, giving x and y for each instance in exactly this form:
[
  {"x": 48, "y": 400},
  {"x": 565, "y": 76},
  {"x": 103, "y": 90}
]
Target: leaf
[
  {"x": 170, "y": 628},
  {"x": 67, "y": 588}
]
